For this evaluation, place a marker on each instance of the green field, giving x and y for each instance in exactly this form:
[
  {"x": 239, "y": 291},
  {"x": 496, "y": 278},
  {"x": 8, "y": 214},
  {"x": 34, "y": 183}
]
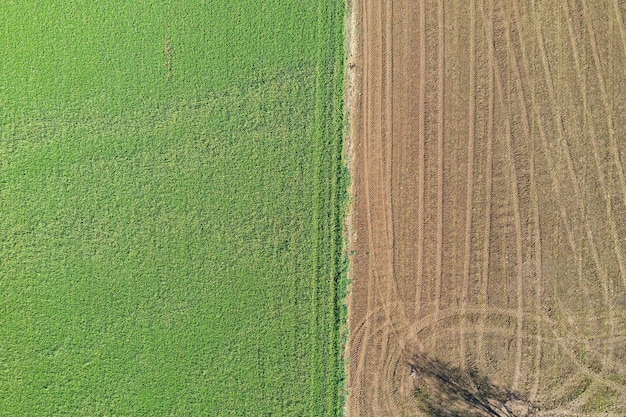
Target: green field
[{"x": 172, "y": 192}]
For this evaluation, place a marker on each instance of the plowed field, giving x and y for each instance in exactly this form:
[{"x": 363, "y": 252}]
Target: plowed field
[{"x": 489, "y": 216}]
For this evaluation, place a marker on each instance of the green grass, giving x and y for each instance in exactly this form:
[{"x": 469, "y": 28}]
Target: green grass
[{"x": 171, "y": 200}]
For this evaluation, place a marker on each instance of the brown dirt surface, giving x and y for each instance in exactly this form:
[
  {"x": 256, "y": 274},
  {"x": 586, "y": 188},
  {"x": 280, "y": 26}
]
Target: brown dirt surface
[{"x": 488, "y": 141}]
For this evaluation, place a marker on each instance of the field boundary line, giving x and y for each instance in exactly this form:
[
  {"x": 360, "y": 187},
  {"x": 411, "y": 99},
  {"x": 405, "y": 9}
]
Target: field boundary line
[
  {"x": 364, "y": 137},
  {"x": 330, "y": 193}
]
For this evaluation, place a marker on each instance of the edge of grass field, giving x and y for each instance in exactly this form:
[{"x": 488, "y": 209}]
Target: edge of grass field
[
  {"x": 330, "y": 204},
  {"x": 351, "y": 95}
]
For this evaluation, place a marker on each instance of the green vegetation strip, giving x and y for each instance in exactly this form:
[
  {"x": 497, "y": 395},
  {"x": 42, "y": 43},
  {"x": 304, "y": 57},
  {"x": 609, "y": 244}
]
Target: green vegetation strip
[{"x": 172, "y": 194}]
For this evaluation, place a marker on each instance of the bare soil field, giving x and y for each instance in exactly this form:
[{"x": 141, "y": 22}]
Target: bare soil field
[{"x": 488, "y": 229}]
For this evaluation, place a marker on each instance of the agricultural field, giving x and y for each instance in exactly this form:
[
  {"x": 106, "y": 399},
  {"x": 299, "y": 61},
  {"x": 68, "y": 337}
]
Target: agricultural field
[
  {"x": 488, "y": 232},
  {"x": 172, "y": 193}
]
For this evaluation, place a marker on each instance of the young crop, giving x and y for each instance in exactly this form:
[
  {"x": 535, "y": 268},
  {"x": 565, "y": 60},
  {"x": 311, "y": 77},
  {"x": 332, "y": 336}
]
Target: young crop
[{"x": 171, "y": 207}]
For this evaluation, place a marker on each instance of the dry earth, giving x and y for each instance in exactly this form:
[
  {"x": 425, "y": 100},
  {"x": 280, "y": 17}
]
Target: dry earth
[{"x": 489, "y": 216}]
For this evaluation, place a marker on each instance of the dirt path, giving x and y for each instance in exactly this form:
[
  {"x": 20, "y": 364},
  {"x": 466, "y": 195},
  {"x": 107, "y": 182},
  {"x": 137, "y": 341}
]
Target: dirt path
[{"x": 489, "y": 217}]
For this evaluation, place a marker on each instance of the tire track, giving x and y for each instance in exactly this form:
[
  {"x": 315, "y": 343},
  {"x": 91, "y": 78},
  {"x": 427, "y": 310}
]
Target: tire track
[
  {"x": 587, "y": 371},
  {"x": 568, "y": 390},
  {"x": 538, "y": 271},
  {"x": 386, "y": 163},
  {"x": 421, "y": 156},
  {"x": 440, "y": 160},
  {"x": 380, "y": 327},
  {"x": 374, "y": 387},
  {"x": 592, "y": 130},
  {"x": 386, "y": 137},
  {"x": 573, "y": 384},
  {"x": 489, "y": 192},
  {"x": 538, "y": 259},
  {"x": 390, "y": 404},
  {"x": 555, "y": 181},
  {"x": 362, "y": 325},
  {"x": 403, "y": 167},
  {"x": 534, "y": 195},
  {"x": 551, "y": 163},
  {"x": 386, "y": 154},
  {"x": 584, "y": 397},
  {"x": 518, "y": 82},
  {"x": 517, "y": 216},
  {"x": 374, "y": 282},
  {"x": 568, "y": 412},
  {"x": 614, "y": 147},
  {"x": 593, "y": 137},
  {"x": 572, "y": 173},
  {"x": 434, "y": 321},
  {"x": 498, "y": 84},
  {"x": 573, "y": 246},
  {"x": 358, "y": 374},
  {"x": 605, "y": 98},
  {"x": 569, "y": 318},
  {"x": 620, "y": 25},
  {"x": 384, "y": 201},
  {"x": 470, "y": 174}
]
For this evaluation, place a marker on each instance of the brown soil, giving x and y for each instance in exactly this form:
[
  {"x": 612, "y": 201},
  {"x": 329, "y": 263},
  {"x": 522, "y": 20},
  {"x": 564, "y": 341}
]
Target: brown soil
[{"x": 489, "y": 216}]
